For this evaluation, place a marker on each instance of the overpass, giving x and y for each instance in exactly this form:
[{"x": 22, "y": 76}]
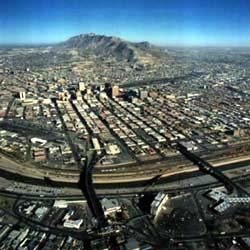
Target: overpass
[
  {"x": 85, "y": 182},
  {"x": 206, "y": 168}
]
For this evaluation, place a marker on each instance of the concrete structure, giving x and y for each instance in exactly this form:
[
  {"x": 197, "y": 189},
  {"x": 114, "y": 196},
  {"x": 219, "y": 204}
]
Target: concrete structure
[
  {"x": 81, "y": 86},
  {"x": 190, "y": 145},
  {"x": 239, "y": 132},
  {"x": 29, "y": 209},
  {"x": 96, "y": 145},
  {"x": 110, "y": 206},
  {"x": 76, "y": 224},
  {"x": 79, "y": 96},
  {"x": 39, "y": 141},
  {"x": 22, "y": 95},
  {"x": 112, "y": 149},
  {"x": 143, "y": 94},
  {"x": 157, "y": 203},
  {"x": 63, "y": 96},
  {"x": 115, "y": 91},
  {"x": 88, "y": 91},
  {"x": 65, "y": 203},
  {"x": 224, "y": 202}
]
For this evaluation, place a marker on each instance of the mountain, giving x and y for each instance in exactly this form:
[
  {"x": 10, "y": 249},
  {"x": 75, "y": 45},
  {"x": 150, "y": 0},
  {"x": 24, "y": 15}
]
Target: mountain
[{"x": 110, "y": 45}]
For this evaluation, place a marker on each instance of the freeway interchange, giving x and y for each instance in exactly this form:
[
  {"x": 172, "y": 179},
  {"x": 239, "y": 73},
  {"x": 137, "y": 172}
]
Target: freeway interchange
[
  {"x": 93, "y": 199},
  {"x": 131, "y": 189}
]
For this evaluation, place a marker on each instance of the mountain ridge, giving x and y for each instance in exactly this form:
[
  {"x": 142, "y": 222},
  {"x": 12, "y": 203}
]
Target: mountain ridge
[{"x": 111, "y": 45}]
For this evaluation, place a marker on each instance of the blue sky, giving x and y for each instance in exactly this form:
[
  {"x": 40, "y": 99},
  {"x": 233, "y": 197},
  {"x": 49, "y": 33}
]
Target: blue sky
[{"x": 162, "y": 22}]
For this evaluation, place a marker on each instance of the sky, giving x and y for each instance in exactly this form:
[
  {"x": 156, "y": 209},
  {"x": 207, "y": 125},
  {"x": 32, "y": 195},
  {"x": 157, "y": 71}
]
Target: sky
[{"x": 161, "y": 22}]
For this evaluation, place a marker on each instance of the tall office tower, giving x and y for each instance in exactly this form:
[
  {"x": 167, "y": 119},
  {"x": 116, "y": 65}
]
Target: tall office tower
[
  {"x": 143, "y": 94},
  {"x": 81, "y": 86},
  {"x": 22, "y": 95},
  {"x": 115, "y": 91},
  {"x": 79, "y": 96}
]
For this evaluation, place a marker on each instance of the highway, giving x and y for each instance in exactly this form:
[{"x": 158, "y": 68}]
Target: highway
[
  {"x": 132, "y": 185},
  {"x": 12, "y": 101},
  {"x": 160, "y": 80},
  {"x": 85, "y": 182},
  {"x": 86, "y": 185},
  {"x": 132, "y": 173},
  {"x": 206, "y": 168},
  {"x": 126, "y": 192}
]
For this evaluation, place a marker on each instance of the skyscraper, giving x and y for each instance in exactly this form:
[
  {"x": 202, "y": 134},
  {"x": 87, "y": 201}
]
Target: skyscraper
[
  {"x": 81, "y": 86},
  {"x": 115, "y": 91}
]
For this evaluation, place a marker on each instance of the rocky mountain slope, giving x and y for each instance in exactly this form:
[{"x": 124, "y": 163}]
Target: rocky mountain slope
[{"x": 114, "y": 46}]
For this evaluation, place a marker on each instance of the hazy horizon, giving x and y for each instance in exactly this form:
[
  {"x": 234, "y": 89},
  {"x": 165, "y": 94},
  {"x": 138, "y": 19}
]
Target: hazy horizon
[{"x": 48, "y": 44}]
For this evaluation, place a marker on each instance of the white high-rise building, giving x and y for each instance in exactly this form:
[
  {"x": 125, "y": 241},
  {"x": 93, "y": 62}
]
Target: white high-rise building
[
  {"x": 22, "y": 95},
  {"x": 81, "y": 86}
]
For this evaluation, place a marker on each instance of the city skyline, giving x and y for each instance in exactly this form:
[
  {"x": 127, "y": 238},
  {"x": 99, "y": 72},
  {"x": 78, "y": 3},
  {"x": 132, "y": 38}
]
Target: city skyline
[
  {"x": 110, "y": 142},
  {"x": 188, "y": 23}
]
